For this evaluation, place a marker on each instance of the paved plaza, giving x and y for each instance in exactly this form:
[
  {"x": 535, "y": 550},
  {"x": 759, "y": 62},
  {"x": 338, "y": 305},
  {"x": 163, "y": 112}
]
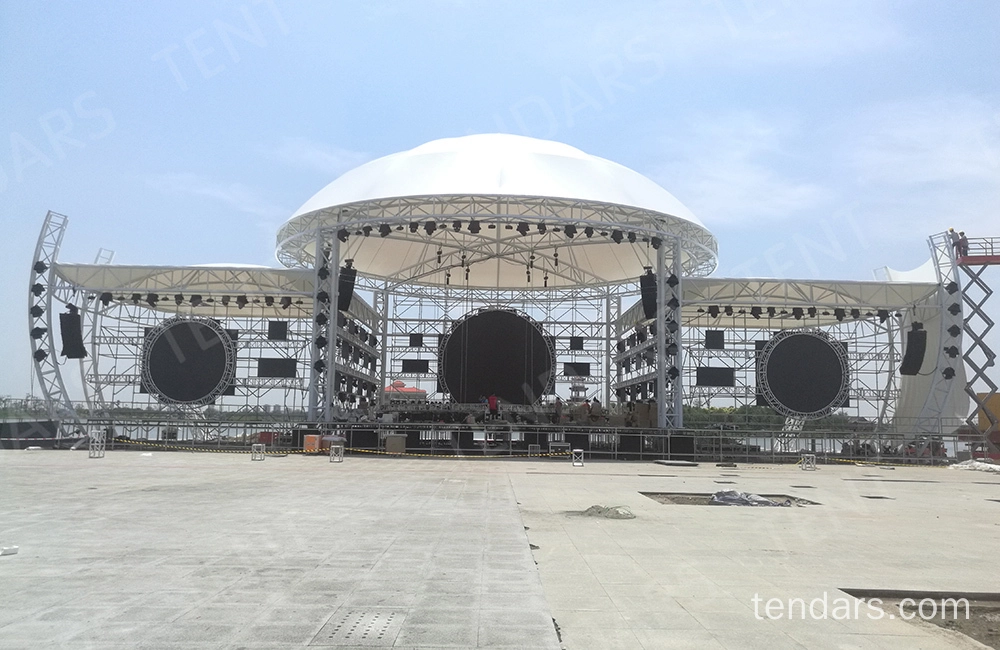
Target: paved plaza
[{"x": 199, "y": 550}]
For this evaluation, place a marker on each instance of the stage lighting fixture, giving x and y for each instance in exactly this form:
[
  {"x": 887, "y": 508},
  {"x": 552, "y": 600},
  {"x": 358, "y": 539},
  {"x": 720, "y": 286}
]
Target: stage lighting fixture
[
  {"x": 672, "y": 281},
  {"x": 755, "y": 312},
  {"x": 588, "y": 231},
  {"x": 225, "y": 301},
  {"x": 105, "y": 298},
  {"x": 321, "y": 341},
  {"x": 812, "y": 312},
  {"x": 366, "y": 230},
  {"x": 322, "y": 320},
  {"x": 179, "y": 298},
  {"x": 40, "y": 355},
  {"x": 269, "y": 301},
  {"x": 195, "y": 300},
  {"x": 570, "y": 230},
  {"x": 541, "y": 228},
  {"x": 673, "y": 303},
  {"x": 320, "y": 365},
  {"x": 323, "y": 273},
  {"x": 508, "y": 227},
  {"x": 343, "y": 234},
  {"x": 38, "y": 332},
  {"x": 286, "y": 302},
  {"x": 797, "y": 313},
  {"x": 672, "y": 350},
  {"x": 713, "y": 311},
  {"x": 656, "y": 242},
  {"x": 729, "y": 310},
  {"x": 492, "y": 226},
  {"x": 770, "y": 312},
  {"x": 136, "y": 297},
  {"x": 414, "y": 226},
  {"x": 855, "y": 313},
  {"x": 616, "y": 236},
  {"x": 954, "y": 309},
  {"x": 384, "y": 230},
  {"x": 37, "y": 289},
  {"x": 916, "y": 326},
  {"x": 948, "y": 373},
  {"x": 439, "y": 256},
  {"x": 323, "y": 296},
  {"x": 241, "y": 301},
  {"x": 522, "y": 228},
  {"x": 474, "y": 227},
  {"x": 152, "y": 299},
  {"x": 952, "y": 351},
  {"x": 951, "y": 287},
  {"x": 430, "y": 227},
  {"x": 40, "y": 267},
  {"x": 673, "y": 373},
  {"x": 672, "y": 326},
  {"x": 839, "y": 314},
  {"x": 954, "y": 330}
]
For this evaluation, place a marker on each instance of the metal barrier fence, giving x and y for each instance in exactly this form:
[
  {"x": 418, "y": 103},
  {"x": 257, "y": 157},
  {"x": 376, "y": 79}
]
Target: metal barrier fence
[{"x": 512, "y": 440}]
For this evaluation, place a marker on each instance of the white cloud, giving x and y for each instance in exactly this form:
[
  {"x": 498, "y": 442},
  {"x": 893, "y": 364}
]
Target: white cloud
[
  {"x": 930, "y": 163},
  {"x": 237, "y": 196},
  {"x": 729, "y": 170},
  {"x": 328, "y": 160},
  {"x": 739, "y": 33}
]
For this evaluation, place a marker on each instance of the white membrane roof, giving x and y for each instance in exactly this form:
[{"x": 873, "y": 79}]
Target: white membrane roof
[{"x": 503, "y": 181}]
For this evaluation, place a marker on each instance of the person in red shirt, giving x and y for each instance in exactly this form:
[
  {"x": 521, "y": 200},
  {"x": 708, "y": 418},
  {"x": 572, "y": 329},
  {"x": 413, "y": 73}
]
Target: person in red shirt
[{"x": 493, "y": 404}]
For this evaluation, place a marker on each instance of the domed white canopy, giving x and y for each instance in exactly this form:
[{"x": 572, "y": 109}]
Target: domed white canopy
[{"x": 504, "y": 211}]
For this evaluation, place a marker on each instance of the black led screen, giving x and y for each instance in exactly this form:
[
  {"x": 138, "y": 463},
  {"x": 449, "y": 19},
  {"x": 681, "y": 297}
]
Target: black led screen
[
  {"x": 706, "y": 376},
  {"x": 186, "y": 361},
  {"x": 272, "y": 367},
  {"x": 416, "y": 365},
  {"x": 804, "y": 373},
  {"x": 496, "y": 352}
]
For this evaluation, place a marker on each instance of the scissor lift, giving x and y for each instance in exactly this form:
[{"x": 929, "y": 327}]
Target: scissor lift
[{"x": 981, "y": 254}]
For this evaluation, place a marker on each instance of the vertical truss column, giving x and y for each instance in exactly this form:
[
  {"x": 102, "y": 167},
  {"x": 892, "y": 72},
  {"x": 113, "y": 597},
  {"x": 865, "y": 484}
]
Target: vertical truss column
[
  {"x": 323, "y": 343},
  {"x": 947, "y": 362},
  {"x": 978, "y": 356},
  {"x": 669, "y": 384},
  {"x": 41, "y": 289}
]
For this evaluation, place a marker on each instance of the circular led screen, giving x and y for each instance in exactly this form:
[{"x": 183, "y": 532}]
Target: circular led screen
[
  {"x": 496, "y": 352},
  {"x": 803, "y": 373},
  {"x": 188, "y": 361}
]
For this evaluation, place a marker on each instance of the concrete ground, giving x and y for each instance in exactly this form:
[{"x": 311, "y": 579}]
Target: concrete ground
[{"x": 199, "y": 550}]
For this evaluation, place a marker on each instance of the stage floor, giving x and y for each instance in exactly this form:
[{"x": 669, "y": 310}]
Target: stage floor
[{"x": 186, "y": 550}]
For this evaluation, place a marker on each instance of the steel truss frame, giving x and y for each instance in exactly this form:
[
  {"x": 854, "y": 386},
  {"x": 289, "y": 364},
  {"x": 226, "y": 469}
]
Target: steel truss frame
[
  {"x": 115, "y": 333},
  {"x": 43, "y": 292},
  {"x": 294, "y": 239},
  {"x": 587, "y": 312},
  {"x": 951, "y": 326}
]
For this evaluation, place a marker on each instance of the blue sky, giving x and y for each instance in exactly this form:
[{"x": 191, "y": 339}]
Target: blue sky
[{"x": 815, "y": 139}]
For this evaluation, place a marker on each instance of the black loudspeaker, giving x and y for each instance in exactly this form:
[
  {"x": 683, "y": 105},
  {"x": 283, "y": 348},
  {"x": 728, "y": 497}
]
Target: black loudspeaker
[
  {"x": 72, "y": 336},
  {"x": 346, "y": 288},
  {"x": 647, "y": 287},
  {"x": 913, "y": 357}
]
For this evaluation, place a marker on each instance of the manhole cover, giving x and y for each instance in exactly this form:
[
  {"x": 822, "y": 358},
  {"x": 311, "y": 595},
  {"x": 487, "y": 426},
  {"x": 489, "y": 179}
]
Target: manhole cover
[{"x": 361, "y": 627}]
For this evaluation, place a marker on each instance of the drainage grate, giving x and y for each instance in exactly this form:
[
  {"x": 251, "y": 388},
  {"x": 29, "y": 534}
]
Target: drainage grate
[{"x": 361, "y": 627}]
